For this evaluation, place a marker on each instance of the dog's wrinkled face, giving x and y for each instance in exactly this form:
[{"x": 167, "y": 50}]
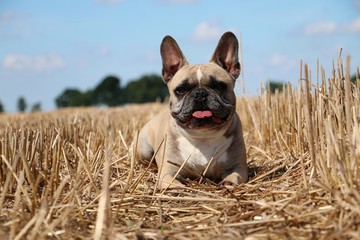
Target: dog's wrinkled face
[{"x": 201, "y": 96}]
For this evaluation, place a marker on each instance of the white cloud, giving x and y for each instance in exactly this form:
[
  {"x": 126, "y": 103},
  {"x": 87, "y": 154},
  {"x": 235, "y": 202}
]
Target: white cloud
[
  {"x": 39, "y": 63},
  {"x": 207, "y": 31},
  {"x": 281, "y": 61},
  {"x": 329, "y": 28},
  {"x": 354, "y": 26},
  {"x": 320, "y": 28},
  {"x": 278, "y": 59}
]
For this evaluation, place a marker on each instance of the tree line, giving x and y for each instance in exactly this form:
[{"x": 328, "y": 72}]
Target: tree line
[
  {"x": 272, "y": 85},
  {"x": 22, "y": 106},
  {"x": 110, "y": 92}
]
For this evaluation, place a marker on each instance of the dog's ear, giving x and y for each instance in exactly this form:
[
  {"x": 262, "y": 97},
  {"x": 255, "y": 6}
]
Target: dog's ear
[
  {"x": 172, "y": 58},
  {"x": 226, "y": 54}
]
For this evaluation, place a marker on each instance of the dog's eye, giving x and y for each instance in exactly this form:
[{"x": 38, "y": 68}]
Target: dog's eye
[
  {"x": 180, "y": 90},
  {"x": 220, "y": 86}
]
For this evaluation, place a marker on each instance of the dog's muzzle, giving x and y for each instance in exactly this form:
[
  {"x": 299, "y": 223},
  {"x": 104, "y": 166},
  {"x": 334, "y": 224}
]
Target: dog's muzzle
[{"x": 202, "y": 109}]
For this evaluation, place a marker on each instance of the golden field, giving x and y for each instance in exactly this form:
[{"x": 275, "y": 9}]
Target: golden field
[{"x": 71, "y": 173}]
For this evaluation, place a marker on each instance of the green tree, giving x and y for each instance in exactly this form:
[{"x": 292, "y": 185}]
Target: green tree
[
  {"x": 353, "y": 79},
  {"x": 271, "y": 86},
  {"x": 36, "y": 107},
  {"x": 73, "y": 98},
  {"x": 2, "y": 108},
  {"x": 108, "y": 92},
  {"x": 21, "y": 104},
  {"x": 147, "y": 88}
]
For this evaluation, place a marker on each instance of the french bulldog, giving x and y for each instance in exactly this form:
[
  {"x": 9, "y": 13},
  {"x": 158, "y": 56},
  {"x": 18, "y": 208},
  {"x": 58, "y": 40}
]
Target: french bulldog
[{"x": 200, "y": 134}]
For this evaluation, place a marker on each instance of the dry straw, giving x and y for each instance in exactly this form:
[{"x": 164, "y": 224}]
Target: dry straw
[{"x": 71, "y": 174}]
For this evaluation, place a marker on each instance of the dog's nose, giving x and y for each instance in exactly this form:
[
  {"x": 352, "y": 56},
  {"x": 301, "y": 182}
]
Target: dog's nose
[{"x": 200, "y": 94}]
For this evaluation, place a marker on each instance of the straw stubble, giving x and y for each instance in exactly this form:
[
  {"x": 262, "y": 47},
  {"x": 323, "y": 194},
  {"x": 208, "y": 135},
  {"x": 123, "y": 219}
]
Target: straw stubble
[{"x": 72, "y": 174}]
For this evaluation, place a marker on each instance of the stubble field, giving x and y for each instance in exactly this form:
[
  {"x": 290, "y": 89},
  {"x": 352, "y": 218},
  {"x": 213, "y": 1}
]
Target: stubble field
[{"x": 71, "y": 173}]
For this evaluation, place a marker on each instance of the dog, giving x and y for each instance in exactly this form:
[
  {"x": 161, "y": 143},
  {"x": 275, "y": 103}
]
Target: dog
[{"x": 201, "y": 133}]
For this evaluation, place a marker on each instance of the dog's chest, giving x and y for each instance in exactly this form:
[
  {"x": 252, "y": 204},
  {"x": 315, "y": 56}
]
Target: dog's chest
[{"x": 199, "y": 153}]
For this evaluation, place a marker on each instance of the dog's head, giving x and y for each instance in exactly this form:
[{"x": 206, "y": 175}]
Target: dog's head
[{"x": 201, "y": 96}]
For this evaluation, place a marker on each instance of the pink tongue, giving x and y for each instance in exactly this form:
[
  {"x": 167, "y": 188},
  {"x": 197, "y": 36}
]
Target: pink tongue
[{"x": 202, "y": 114}]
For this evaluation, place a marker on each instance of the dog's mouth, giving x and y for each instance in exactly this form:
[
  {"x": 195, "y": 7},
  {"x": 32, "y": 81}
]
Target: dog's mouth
[{"x": 204, "y": 119}]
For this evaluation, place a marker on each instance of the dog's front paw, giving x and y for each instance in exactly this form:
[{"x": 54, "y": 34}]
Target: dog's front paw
[
  {"x": 227, "y": 183},
  {"x": 233, "y": 179},
  {"x": 167, "y": 182}
]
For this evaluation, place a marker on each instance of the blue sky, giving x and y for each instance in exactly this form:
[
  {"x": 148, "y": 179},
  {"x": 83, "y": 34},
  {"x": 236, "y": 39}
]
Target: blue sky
[{"x": 47, "y": 46}]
